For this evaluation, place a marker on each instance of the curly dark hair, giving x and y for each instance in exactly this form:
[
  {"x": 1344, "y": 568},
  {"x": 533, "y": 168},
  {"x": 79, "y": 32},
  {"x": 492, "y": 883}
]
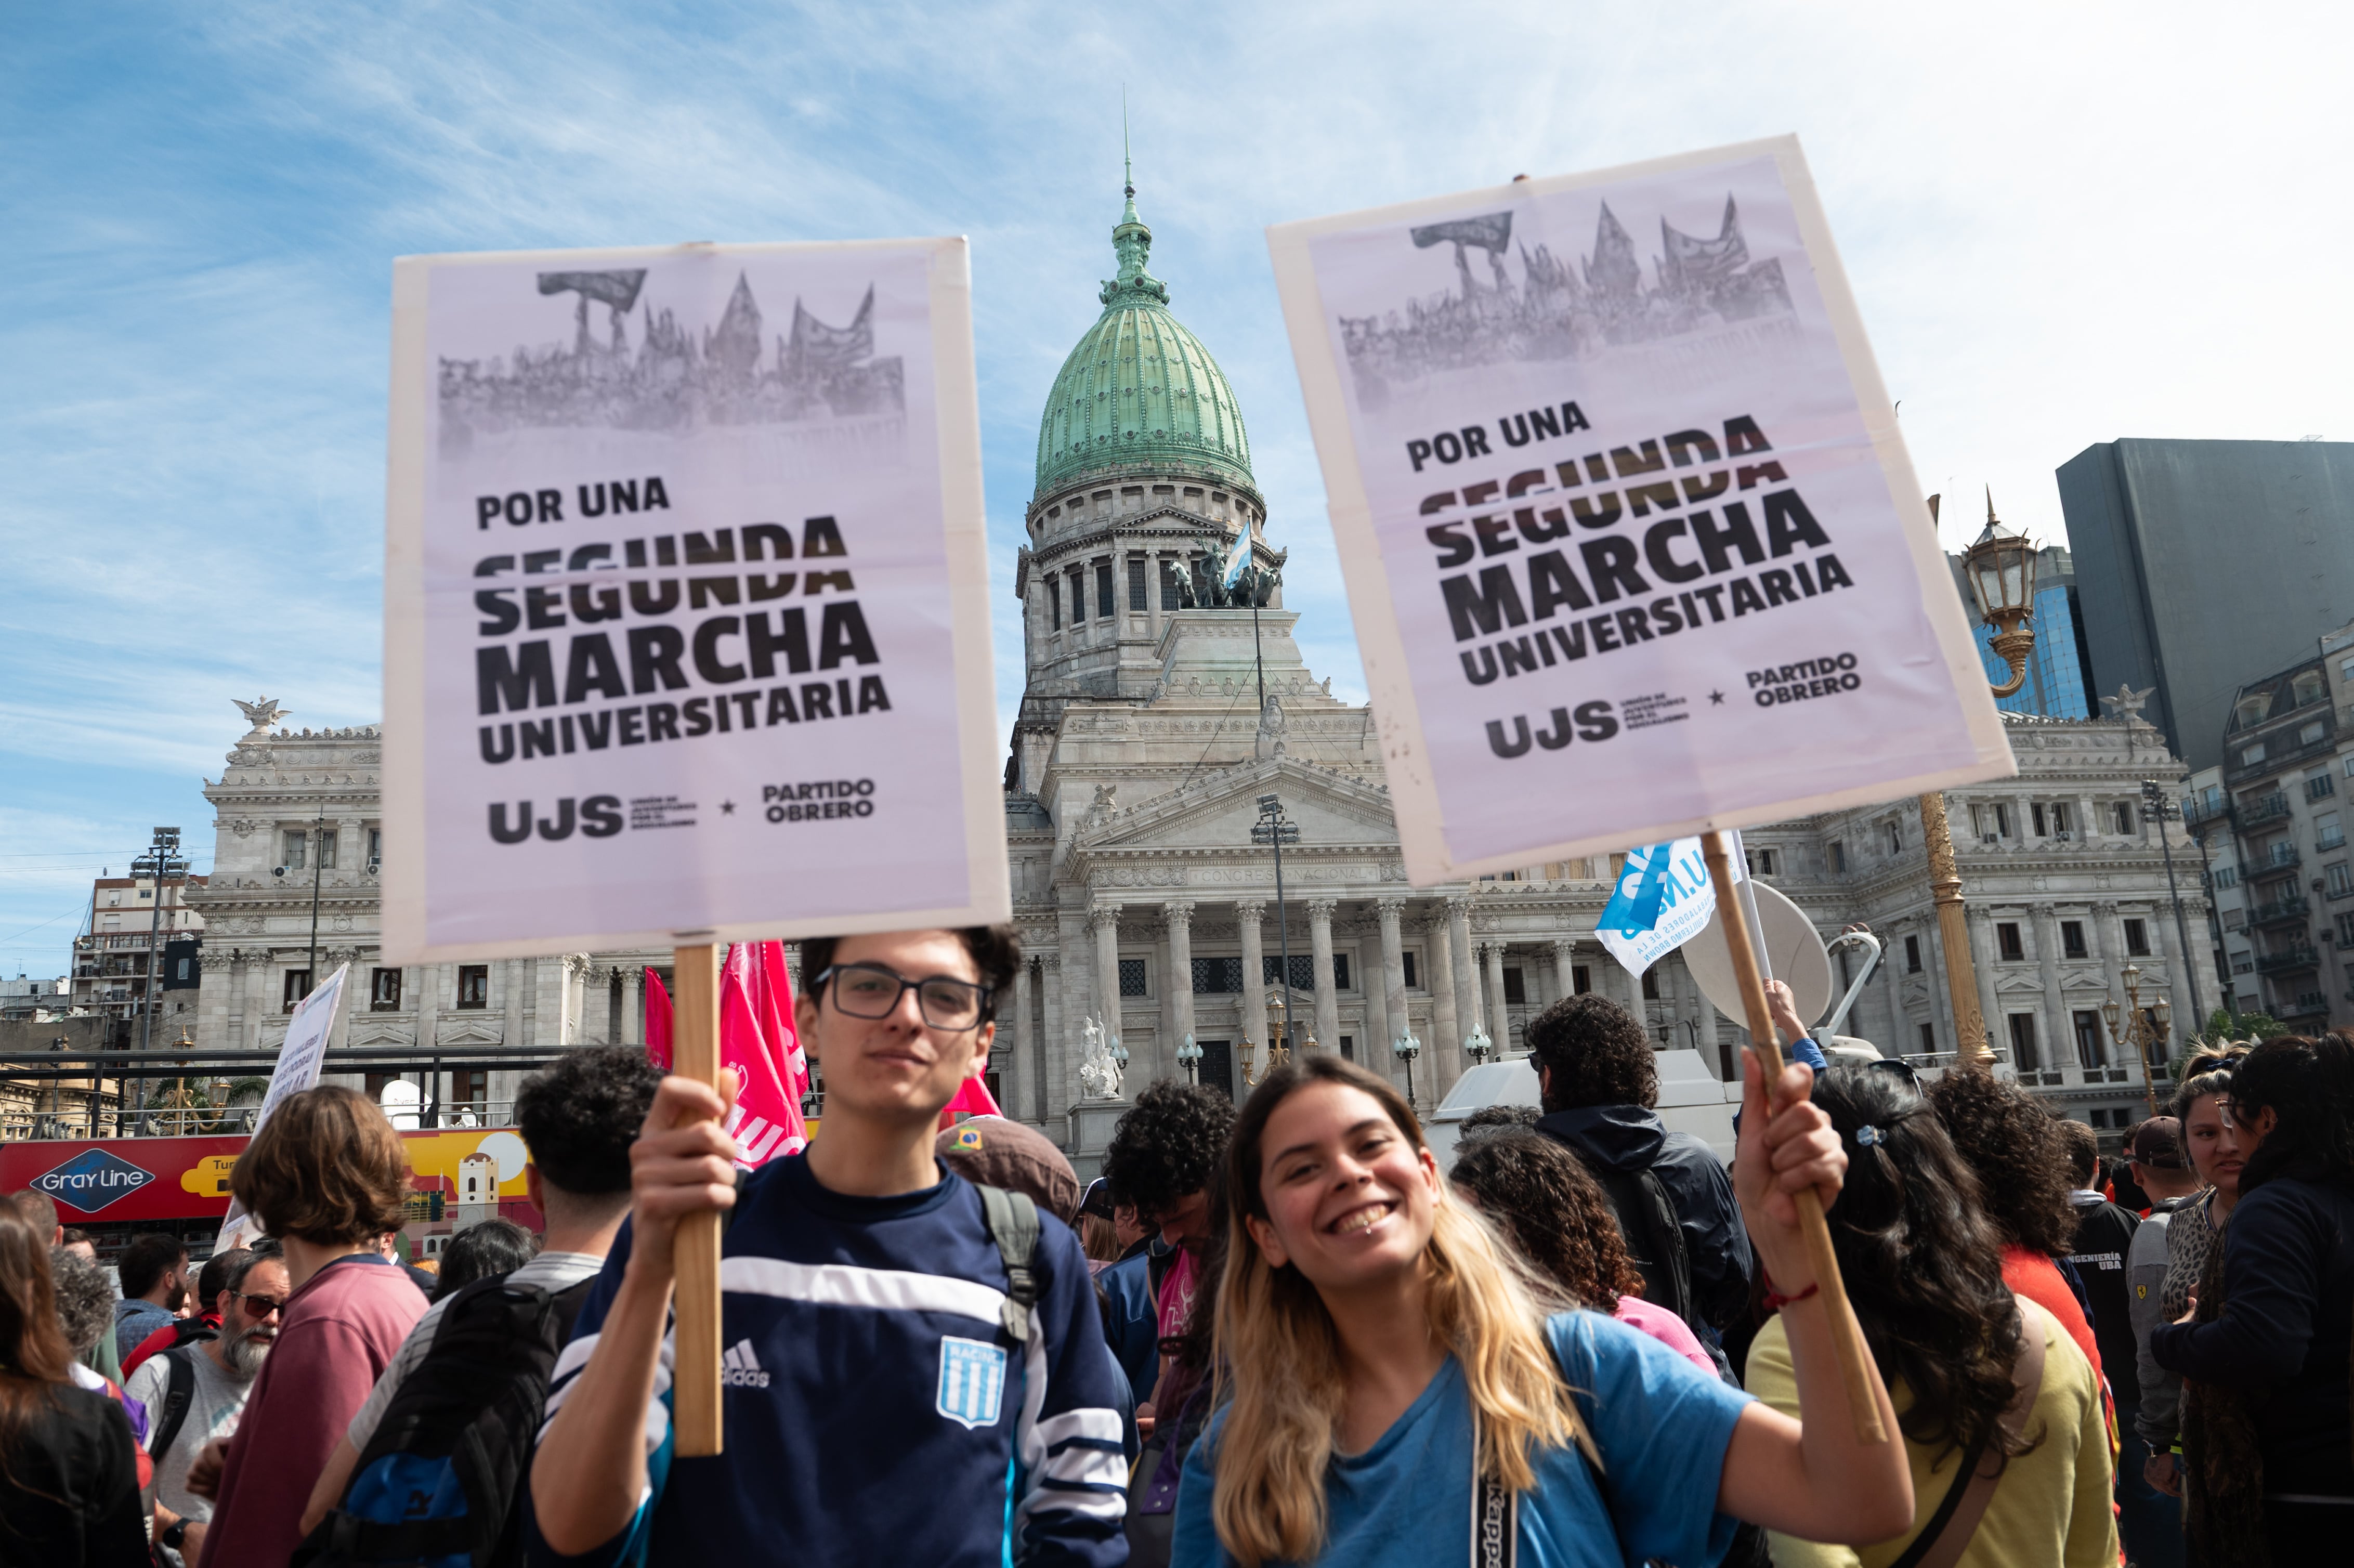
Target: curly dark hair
[
  {"x": 1489, "y": 1120},
  {"x": 996, "y": 954},
  {"x": 2013, "y": 1147},
  {"x": 1597, "y": 1054},
  {"x": 580, "y": 1114},
  {"x": 85, "y": 1299},
  {"x": 1922, "y": 1262},
  {"x": 1553, "y": 1211},
  {"x": 2307, "y": 1083},
  {"x": 1167, "y": 1147}
]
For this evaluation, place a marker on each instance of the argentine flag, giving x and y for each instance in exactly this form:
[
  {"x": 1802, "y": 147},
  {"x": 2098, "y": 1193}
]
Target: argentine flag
[
  {"x": 1238, "y": 554},
  {"x": 1664, "y": 898}
]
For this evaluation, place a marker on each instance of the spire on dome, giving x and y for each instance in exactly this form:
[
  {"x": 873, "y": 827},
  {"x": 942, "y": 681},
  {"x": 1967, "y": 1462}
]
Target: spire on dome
[{"x": 1131, "y": 241}]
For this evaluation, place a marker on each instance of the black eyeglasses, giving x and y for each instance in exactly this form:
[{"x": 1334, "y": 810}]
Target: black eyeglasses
[
  {"x": 259, "y": 1307},
  {"x": 870, "y": 991}
]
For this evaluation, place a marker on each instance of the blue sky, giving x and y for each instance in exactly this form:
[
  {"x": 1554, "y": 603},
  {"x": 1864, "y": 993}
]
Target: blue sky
[{"x": 2064, "y": 225}]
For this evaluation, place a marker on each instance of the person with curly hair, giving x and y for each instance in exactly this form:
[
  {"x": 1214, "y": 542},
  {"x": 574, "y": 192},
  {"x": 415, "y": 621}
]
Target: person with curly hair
[
  {"x": 2272, "y": 1328},
  {"x": 1163, "y": 1157},
  {"x": 2015, "y": 1151},
  {"x": 1598, "y": 1081},
  {"x": 1921, "y": 1268},
  {"x": 327, "y": 1176},
  {"x": 1547, "y": 1205}
]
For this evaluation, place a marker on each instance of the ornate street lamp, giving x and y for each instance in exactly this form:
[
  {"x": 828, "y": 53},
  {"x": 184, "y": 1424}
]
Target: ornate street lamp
[
  {"x": 2145, "y": 1030},
  {"x": 2001, "y": 570},
  {"x": 1477, "y": 1046},
  {"x": 1405, "y": 1047},
  {"x": 1248, "y": 1051},
  {"x": 1189, "y": 1056}
]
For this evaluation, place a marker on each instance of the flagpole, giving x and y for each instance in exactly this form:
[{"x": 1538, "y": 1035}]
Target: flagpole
[
  {"x": 1846, "y": 1334},
  {"x": 694, "y": 1054}
]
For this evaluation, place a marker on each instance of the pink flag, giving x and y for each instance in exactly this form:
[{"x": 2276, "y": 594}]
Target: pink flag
[
  {"x": 773, "y": 1003},
  {"x": 973, "y": 1099},
  {"x": 766, "y": 1120}
]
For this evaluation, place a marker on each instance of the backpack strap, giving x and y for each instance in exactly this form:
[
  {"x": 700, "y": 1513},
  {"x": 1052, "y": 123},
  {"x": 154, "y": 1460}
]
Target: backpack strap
[
  {"x": 1014, "y": 1226},
  {"x": 177, "y": 1396},
  {"x": 1495, "y": 1515},
  {"x": 1946, "y": 1536}
]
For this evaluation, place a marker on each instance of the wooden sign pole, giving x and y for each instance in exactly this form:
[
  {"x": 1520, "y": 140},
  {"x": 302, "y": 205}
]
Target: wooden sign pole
[
  {"x": 1846, "y": 1334},
  {"x": 694, "y": 1373}
]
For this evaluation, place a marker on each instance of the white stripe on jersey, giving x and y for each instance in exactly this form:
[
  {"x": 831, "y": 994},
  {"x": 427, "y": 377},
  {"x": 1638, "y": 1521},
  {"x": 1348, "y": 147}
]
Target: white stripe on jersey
[
  {"x": 880, "y": 1290},
  {"x": 567, "y": 1372}
]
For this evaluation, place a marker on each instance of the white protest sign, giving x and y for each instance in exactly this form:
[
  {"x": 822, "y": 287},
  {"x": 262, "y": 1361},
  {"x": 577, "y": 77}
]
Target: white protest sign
[
  {"x": 299, "y": 1060},
  {"x": 1664, "y": 899},
  {"x": 1632, "y": 546},
  {"x": 686, "y": 635}
]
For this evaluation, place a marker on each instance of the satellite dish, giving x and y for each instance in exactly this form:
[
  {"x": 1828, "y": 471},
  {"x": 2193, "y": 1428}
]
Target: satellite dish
[
  {"x": 401, "y": 1100},
  {"x": 1793, "y": 951}
]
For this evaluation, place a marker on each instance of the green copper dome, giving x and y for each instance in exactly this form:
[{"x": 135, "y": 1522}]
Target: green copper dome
[{"x": 1140, "y": 391}]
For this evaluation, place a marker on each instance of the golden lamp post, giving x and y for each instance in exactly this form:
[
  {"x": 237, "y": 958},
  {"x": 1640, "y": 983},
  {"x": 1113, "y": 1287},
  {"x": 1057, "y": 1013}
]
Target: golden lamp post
[
  {"x": 2000, "y": 567},
  {"x": 2144, "y": 1029}
]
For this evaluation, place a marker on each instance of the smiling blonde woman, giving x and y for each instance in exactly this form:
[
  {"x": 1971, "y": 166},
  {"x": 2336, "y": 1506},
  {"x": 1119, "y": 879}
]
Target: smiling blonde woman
[{"x": 1394, "y": 1395}]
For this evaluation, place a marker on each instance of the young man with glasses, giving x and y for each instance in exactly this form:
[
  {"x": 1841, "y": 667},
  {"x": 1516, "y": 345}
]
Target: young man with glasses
[
  {"x": 879, "y": 1406},
  {"x": 213, "y": 1378}
]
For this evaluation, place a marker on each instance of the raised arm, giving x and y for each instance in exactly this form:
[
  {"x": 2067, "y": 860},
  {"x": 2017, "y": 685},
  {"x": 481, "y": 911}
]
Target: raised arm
[
  {"x": 1809, "y": 1478},
  {"x": 589, "y": 1476}
]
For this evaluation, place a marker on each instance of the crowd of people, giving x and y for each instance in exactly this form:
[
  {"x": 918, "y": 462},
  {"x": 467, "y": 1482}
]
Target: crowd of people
[{"x": 1276, "y": 1333}]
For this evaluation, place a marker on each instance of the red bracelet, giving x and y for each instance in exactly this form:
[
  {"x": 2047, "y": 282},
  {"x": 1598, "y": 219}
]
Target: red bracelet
[{"x": 1775, "y": 1300}]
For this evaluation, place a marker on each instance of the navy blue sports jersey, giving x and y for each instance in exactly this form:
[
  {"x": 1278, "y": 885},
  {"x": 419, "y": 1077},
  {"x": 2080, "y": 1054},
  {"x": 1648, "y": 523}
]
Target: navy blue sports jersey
[{"x": 876, "y": 1410}]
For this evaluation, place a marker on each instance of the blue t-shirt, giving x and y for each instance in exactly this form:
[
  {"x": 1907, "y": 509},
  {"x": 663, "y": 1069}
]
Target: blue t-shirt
[{"x": 1661, "y": 1427}]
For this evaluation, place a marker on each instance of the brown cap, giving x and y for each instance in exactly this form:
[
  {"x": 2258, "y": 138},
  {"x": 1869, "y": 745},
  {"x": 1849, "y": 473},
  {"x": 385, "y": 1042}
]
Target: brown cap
[
  {"x": 2158, "y": 1143},
  {"x": 996, "y": 1152}
]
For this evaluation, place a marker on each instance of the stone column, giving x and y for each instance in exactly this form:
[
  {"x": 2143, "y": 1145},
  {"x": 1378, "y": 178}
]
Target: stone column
[
  {"x": 1319, "y": 944},
  {"x": 1178, "y": 913},
  {"x": 1499, "y": 1022},
  {"x": 1445, "y": 1051},
  {"x": 2060, "y": 1033},
  {"x": 1557, "y": 972},
  {"x": 1104, "y": 919},
  {"x": 1900, "y": 1041},
  {"x": 1021, "y": 1081},
  {"x": 2186, "y": 1020},
  {"x": 1053, "y": 1053},
  {"x": 1394, "y": 1018},
  {"x": 1154, "y": 569},
  {"x": 1466, "y": 977},
  {"x": 1249, "y": 914},
  {"x": 633, "y": 1004}
]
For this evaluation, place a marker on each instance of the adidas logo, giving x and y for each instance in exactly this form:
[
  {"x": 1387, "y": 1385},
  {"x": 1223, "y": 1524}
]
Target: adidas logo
[{"x": 740, "y": 1368}]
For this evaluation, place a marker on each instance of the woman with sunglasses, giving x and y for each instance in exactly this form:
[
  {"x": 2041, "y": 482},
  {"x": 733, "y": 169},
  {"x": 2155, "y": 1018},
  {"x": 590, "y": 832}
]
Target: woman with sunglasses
[
  {"x": 2264, "y": 1350},
  {"x": 1394, "y": 1395},
  {"x": 2011, "y": 1430}
]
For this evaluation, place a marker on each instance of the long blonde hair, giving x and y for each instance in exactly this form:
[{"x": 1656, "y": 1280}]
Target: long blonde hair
[{"x": 1280, "y": 1357}]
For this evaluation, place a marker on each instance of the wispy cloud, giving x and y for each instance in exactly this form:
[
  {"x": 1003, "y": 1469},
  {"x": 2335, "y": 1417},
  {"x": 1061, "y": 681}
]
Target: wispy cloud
[{"x": 2065, "y": 224}]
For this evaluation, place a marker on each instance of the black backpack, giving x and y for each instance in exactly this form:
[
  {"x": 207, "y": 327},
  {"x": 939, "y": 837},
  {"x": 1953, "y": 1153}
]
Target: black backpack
[
  {"x": 436, "y": 1486},
  {"x": 176, "y": 1393},
  {"x": 1655, "y": 1236}
]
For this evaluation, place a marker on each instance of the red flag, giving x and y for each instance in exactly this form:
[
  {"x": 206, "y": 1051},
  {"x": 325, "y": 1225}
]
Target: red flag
[
  {"x": 773, "y": 1004},
  {"x": 973, "y": 1099},
  {"x": 767, "y": 1120},
  {"x": 657, "y": 1021}
]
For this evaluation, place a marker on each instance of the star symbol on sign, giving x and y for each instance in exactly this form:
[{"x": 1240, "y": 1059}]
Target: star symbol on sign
[
  {"x": 1716, "y": 699},
  {"x": 726, "y": 808}
]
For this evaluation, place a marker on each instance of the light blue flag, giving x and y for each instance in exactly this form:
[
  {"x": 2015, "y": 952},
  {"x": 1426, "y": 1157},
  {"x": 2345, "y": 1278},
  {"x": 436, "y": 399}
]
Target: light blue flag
[
  {"x": 1238, "y": 554},
  {"x": 1664, "y": 898}
]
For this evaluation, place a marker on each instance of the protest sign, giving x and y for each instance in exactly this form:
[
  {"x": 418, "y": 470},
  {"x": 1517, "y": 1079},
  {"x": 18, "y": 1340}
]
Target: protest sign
[
  {"x": 685, "y": 635},
  {"x": 1632, "y": 545},
  {"x": 299, "y": 1060},
  {"x": 1664, "y": 899}
]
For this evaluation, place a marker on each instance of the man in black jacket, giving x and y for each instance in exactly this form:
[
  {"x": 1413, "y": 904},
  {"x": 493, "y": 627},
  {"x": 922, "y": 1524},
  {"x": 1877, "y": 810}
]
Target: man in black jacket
[{"x": 1598, "y": 1081}]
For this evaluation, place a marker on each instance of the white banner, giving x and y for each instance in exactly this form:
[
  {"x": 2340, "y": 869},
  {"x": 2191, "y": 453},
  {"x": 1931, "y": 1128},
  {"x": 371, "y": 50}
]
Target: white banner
[
  {"x": 1632, "y": 545},
  {"x": 297, "y": 1069},
  {"x": 687, "y": 634}
]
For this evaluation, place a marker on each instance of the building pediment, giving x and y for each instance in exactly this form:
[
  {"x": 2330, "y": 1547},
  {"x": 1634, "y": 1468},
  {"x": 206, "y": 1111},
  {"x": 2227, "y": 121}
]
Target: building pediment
[
  {"x": 380, "y": 1029},
  {"x": 468, "y": 1032},
  {"x": 1217, "y": 813}
]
